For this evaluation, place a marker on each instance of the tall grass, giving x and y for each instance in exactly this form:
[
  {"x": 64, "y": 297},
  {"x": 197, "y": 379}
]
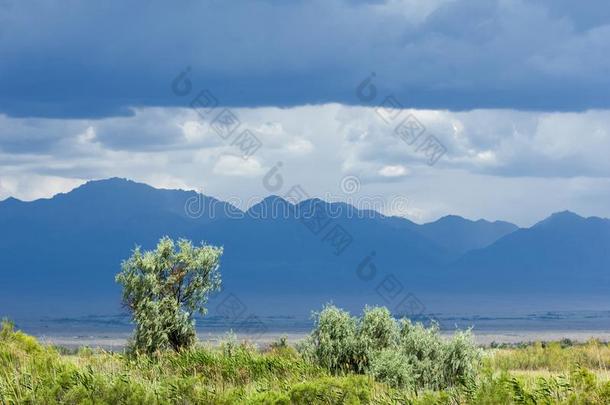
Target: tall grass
[
  {"x": 236, "y": 373},
  {"x": 553, "y": 356},
  {"x": 36, "y": 374}
]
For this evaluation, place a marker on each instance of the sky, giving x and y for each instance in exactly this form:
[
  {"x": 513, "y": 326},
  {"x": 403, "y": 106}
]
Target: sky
[{"x": 496, "y": 109}]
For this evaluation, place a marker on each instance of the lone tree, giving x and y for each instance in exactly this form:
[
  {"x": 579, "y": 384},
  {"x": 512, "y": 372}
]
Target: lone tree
[{"x": 164, "y": 288}]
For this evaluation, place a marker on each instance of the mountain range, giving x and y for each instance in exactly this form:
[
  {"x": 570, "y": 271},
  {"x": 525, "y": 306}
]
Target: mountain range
[{"x": 60, "y": 255}]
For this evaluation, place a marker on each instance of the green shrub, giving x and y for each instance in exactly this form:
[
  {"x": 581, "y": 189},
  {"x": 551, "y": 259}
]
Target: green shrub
[
  {"x": 392, "y": 367},
  {"x": 377, "y": 329},
  {"x": 461, "y": 360},
  {"x": 426, "y": 351},
  {"x": 334, "y": 343},
  {"x": 403, "y": 356}
]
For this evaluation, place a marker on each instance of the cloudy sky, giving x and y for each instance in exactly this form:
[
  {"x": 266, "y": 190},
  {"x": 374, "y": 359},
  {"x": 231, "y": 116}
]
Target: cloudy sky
[{"x": 512, "y": 97}]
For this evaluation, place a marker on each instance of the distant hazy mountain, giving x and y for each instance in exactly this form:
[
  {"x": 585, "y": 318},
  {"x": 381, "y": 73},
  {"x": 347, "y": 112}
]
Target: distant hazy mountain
[
  {"x": 61, "y": 254},
  {"x": 460, "y": 235},
  {"x": 564, "y": 252}
]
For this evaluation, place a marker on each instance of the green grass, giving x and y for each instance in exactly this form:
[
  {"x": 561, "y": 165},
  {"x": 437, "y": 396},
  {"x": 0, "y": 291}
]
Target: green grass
[
  {"x": 554, "y": 356},
  {"x": 31, "y": 373}
]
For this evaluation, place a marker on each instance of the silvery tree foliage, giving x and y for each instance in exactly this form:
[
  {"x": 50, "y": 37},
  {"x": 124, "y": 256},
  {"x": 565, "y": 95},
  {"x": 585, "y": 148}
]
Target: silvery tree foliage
[
  {"x": 164, "y": 288},
  {"x": 399, "y": 353}
]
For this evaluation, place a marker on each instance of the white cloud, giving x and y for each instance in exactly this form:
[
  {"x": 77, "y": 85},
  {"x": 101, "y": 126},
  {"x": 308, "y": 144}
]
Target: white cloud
[
  {"x": 32, "y": 186},
  {"x": 501, "y": 164},
  {"x": 229, "y": 165},
  {"x": 300, "y": 146},
  {"x": 193, "y": 131},
  {"x": 393, "y": 171},
  {"x": 87, "y": 137}
]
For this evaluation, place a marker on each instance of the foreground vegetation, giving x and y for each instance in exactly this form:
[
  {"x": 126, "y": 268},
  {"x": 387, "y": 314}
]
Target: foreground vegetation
[
  {"x": 371, "y": 359},
  {"x": 552, "y": 373}
]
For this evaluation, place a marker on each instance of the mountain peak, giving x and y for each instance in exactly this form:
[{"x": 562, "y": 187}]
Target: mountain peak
[
  {"x": 562, "y": 217},
  {"x": 457, "y": 219},
  {"x": 453, "y": 218},
  {"x": 272, "y": 200},
  {"x": 11, "y": 201},
  {"x": 566, "y": 214},
  {"x": 459, "y": 234},
  {"x": 111, "y": 186},
  {"x": 271, "y": 207},
  {"x": 111, "y": 181}
]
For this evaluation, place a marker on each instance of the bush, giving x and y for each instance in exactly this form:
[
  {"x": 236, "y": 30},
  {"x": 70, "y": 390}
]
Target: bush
[
  {"x": 377, "y": 329},
  {"x": 461, "y": 360},
  {"x": 402, "y": 356},
  {"x": 426, "y": 351},
  {"x": 392, "y": 367},
  {"x": 333, "y": 343}
]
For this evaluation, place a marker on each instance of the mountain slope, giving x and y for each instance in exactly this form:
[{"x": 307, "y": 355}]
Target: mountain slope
[
  {"x": 461, "y": 235},
  {"x": 62, "y": 253},
  {"x": 564, "y": 252}
]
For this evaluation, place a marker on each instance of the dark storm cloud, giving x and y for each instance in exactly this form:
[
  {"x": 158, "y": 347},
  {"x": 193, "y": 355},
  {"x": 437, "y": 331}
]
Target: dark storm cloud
[{"x": 95, "y": 59}]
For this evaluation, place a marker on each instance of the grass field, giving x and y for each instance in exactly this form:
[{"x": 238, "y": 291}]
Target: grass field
[{"x": 557, "y": 372}]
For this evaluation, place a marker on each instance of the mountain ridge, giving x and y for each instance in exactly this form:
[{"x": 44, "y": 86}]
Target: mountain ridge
[{"x": 71, "y": 245}]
